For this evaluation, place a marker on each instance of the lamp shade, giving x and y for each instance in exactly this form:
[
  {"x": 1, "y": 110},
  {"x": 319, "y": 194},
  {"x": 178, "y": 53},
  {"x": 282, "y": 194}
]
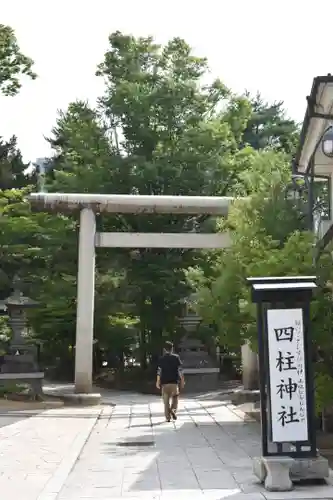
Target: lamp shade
[{"x": 327, "y": 144}]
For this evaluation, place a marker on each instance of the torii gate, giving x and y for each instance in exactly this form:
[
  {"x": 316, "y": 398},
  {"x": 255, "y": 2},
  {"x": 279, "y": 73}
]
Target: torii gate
[{"x": 89, "y": 239}]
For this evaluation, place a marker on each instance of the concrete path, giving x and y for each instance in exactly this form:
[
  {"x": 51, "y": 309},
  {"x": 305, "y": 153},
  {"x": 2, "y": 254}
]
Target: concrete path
[{"x": 128, "y": 451}]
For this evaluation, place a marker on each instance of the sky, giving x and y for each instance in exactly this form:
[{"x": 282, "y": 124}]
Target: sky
[{"x": 274, "y": 47}]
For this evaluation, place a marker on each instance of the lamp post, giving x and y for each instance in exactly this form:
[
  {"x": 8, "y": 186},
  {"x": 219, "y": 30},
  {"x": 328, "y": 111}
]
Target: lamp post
[{"x": 300, "y": 184}]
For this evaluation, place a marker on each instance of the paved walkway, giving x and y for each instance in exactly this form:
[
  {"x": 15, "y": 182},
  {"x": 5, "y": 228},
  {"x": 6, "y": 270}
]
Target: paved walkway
[{"x": 128, "y": 451}]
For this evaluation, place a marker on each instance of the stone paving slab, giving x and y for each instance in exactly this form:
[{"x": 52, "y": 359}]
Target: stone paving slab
[
  {"x": 206, "y": 454},
  {"x": 35, "y": 452},
  {"x": 77, "y": 453}
]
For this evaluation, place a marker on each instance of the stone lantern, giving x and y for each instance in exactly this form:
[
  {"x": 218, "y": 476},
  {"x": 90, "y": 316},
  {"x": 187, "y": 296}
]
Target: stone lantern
[
  {"x": 21, "y": 357},
  {"x": 200, "y": 369}
]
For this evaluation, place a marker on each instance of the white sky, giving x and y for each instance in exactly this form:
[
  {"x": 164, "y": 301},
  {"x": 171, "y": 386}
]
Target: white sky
[{"x": 274, "y": 47}]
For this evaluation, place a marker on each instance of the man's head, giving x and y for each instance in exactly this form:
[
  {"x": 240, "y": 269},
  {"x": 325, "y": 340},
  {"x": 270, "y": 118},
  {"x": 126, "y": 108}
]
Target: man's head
[{"x": 168, "y": 346}]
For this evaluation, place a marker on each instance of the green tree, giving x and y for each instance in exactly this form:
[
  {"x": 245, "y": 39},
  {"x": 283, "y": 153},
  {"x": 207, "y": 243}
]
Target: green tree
[
  {"x": 13, "y": 170},
  {"x": 38, "y": 247},
  {"x": 13, "y": 63},
  {"x": 269, "y": 127},
  {"x": 83, "y": 154},
  {"x": 157, "y": 130},
  {"x": 269, "y": 238},
  {"x": 263, "y": 226},
  {"x": 13, "y": 175}
]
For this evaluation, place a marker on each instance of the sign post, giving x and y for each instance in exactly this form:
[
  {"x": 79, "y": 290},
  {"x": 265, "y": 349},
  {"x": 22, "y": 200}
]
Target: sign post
[{"x": 288, "y": 434}]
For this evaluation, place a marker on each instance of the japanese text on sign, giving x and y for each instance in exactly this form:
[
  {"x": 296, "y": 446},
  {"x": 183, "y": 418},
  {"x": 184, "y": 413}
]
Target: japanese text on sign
[{"x": 287, "y": 375}]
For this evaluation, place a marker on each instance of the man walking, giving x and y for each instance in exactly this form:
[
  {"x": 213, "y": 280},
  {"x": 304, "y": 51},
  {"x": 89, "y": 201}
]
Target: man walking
[{"x": 169, "y": 376}]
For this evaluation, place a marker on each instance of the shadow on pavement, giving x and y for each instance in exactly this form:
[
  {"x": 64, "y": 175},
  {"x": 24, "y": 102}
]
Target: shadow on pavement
[{"x": 190, "y": 456}]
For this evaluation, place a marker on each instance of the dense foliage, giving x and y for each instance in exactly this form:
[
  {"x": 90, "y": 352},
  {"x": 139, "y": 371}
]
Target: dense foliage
[
  {"x": 157, "y": 129},
  {"x": 13, "y": 63},
  {"x": 269, "y": 238},
  {"x": 13, "y": 171}
]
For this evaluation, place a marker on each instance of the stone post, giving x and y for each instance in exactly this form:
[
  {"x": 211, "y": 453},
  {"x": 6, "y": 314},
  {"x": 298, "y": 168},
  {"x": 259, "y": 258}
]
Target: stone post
[
  {"x": 85, "y": 303},
  {"x": 250, "y": 369}
]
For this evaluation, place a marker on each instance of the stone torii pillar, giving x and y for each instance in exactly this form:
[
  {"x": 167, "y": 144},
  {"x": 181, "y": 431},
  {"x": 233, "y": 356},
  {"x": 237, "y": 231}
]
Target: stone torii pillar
[{"x": 85, "y": 302}]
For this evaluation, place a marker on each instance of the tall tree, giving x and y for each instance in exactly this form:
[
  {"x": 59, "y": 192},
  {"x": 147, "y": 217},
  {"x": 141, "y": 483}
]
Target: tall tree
[
  {"x": 13, "y": 66},
  {"x": 13, "y": 63},
  {"x": 13, "y": 170},
  {"x": 269, "y": 127},
  {"x": 269, "y": 238},
  {"x": 83, "y": 160},
  {"x": 157, "y": 130},
  {"x": 13, "y": 176},
  {"x": 41, "y": 249}
]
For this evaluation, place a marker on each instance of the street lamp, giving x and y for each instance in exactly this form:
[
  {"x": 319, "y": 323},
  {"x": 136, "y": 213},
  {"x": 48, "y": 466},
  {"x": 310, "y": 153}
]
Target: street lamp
[
  {"x": 299, "y": 184},
  {"x": 304, "y": 182},
  {"x": 41, "y": 164},
  {"x": 295, "y": 190},
  {"x": 327, "y": 143}
]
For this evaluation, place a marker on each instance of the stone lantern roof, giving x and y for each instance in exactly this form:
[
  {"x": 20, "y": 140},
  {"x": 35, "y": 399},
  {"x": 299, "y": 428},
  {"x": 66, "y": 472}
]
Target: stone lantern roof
[{"x": 17, "y": 299}]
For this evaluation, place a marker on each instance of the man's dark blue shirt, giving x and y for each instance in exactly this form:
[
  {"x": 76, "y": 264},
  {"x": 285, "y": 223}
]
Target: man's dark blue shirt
[{"x": 169, "y": 368}]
